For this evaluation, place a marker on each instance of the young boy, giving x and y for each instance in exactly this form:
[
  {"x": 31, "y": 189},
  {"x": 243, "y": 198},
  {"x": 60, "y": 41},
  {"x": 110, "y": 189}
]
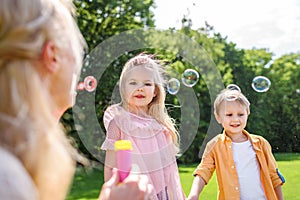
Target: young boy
[{"x": 245, "y": 166}]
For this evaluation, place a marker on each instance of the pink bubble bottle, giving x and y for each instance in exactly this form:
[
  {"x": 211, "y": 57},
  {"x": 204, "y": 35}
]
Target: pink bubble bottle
[{"x": 123, "y": 149}]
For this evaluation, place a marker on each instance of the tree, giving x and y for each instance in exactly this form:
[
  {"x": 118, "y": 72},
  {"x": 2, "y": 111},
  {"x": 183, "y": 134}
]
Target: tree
[
  {"x": 274, "y": 114},
  {"x": 282, "y": 103},
  {"x": 99, "y": 20}
]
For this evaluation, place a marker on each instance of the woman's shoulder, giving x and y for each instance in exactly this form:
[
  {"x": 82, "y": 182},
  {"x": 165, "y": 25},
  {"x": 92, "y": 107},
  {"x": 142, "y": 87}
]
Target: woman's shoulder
[{"x": 14, "y": 179}]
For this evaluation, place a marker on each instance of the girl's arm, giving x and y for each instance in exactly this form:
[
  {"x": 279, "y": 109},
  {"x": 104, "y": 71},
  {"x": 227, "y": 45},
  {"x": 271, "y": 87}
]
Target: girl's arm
[
  {"x": 278, "y": 192},
  {"x": 110, "y": 163},
  {"x": 197, "y": 187}
]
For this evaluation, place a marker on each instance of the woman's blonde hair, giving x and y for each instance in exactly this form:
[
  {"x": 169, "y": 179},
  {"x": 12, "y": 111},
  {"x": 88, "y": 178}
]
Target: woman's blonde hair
[
  {"x": 28, "y": 127},
  {"x": 156, "y": 108},
  {"x": 231, "y": 93}
]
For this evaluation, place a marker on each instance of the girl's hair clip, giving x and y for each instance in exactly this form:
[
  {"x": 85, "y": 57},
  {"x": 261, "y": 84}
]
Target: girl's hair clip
[
  {"x": 140, "y": 60},
  {"x": 143, "y": 58}
]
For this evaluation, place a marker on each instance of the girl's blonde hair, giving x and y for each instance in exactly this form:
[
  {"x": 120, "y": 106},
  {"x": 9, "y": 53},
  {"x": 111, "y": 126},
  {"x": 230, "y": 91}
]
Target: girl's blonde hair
[
  {"x": 231, "y": 94},
  {"x": 156, "y": 108},
  {"x": 28, "y": 127}
]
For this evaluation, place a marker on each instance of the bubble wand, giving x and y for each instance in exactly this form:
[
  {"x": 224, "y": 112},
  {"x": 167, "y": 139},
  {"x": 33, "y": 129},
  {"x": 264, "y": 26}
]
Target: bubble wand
[{"x": 123, "y": 149}]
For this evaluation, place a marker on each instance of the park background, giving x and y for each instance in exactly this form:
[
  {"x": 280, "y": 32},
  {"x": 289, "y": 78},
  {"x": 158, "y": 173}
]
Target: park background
[{"x": 274, "y": 114}]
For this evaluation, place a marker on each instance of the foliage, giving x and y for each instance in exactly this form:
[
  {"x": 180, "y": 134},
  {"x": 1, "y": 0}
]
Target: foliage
[
  {"x": 101, "y": 19},
  {"x": 281, "y": 104},
  {"x": 98, "y": 20},
  {"x": 274, "y": 114}
]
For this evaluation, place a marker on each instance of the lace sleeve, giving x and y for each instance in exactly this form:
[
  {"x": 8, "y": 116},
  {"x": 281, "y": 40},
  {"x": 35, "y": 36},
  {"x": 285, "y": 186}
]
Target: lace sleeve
[{"x": 113, "y": 134}]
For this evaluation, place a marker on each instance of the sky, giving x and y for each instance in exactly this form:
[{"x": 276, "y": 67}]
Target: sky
[{"x": 271, "y": 24}]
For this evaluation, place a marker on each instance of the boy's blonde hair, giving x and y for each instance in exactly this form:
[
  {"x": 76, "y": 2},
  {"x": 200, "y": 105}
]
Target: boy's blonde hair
[
  {"x": 156, "y": 108},
  {"x": 28, "y": 127},
  {"x": 231, "y": 94}
]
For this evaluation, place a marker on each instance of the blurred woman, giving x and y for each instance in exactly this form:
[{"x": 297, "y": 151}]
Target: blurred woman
[{"x": 40, "y": 62}]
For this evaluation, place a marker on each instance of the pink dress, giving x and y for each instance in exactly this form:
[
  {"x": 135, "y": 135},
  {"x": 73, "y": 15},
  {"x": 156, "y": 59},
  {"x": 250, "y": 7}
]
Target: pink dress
[{"x": 153, "y": 154}]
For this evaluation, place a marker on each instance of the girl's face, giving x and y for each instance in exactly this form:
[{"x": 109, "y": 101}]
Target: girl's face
[
  {"x": 232, "y": 116},
  {"x": 139, "y": 88}
]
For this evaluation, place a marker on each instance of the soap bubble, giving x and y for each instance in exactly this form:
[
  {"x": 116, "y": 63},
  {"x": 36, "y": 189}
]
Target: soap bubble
[
  {"x": 80, "y": 86},
  {"x": 233, "y": 87},
  {"x": 190, "y": 77},
  {"x": 261, "y": 84},
  {"x": 173, "y": 86},
  {"x": 89, "y": 84}
]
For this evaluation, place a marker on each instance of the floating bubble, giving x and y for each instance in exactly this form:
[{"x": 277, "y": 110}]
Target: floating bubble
[
  {"x": 190, "y": 77},
  {"x": 261, "y": 84},
  {"x": 173, "y": 86},
  {"x": 80, "y": 86},
  {"x": 89, "y": 84},
  {"x": 233, "y": 87}
]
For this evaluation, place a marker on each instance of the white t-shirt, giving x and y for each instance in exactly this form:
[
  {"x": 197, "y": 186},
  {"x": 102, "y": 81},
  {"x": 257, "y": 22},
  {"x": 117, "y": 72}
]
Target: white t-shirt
[{"x": 248, "y": 171}]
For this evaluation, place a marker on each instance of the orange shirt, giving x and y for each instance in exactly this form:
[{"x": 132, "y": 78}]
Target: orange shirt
[{"x": 218, "y": 155}]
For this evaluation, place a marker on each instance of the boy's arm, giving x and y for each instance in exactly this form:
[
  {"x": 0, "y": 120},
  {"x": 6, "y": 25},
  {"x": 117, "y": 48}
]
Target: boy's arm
[
  {"x": 110, "y": 163},
  {"x": 278, "y": 192},
  {"x": 197, "y": 187},
  {"x": 276, "y": 177},
  {"x": 204, "y": 171}
]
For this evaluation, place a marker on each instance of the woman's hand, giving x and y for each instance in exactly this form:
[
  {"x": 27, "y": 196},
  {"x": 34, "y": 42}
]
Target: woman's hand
[{"x": 133, "y": 187}]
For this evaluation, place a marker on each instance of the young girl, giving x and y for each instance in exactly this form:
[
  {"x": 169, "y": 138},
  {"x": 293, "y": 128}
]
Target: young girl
[
  {"x": 141, "y": 117},
  {"x": 245, "y": 166}
]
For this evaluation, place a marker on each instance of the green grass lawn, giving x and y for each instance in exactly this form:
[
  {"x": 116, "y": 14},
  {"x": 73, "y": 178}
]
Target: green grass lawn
[{"x": 87, "y": 182}]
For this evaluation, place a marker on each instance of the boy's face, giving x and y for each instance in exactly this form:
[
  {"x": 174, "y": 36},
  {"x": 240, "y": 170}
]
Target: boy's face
[{"x": 232, "y": 116}]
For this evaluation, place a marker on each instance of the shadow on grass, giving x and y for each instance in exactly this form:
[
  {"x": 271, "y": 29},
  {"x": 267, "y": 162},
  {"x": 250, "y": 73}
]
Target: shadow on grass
[
  {"x": 287, "y": 156},
  {"x": 187, "y": 168}
]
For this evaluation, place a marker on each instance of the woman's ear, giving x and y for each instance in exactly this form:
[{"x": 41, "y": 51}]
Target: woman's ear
[{"x": 49, "y": 57}]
